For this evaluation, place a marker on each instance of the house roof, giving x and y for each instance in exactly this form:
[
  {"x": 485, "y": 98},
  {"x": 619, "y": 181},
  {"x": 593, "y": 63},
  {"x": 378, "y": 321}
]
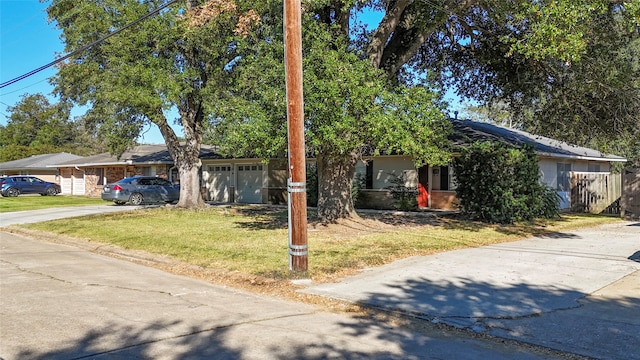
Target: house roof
[
  {"x": 38, "y": 162},
  {"x": 466, "y": 132},
  {"x": 138, "y": 155}
]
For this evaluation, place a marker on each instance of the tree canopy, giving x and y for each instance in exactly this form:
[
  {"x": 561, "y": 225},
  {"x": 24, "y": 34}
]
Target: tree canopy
[
  {"x": 367, "y": 88},
  {"x": 36, "y": 126},
  {"x": 350, "y": 111},
  {"x": 166, "y": 62}
]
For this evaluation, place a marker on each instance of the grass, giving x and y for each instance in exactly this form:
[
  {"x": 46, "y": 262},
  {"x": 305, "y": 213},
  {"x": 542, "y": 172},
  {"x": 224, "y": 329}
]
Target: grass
[
  {"x": 253, "y": 241},
  {"x": 35, "y": 202}
]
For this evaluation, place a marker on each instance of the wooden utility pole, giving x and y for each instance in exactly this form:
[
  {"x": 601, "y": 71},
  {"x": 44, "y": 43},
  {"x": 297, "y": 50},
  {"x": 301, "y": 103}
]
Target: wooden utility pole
[{"x": 296, "y": 184}]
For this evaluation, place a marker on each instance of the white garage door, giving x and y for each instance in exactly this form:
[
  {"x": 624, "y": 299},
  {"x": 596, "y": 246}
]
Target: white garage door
[
  {"x": 219, "y": 183},
  {"x": 250, "y": 184},
  {"x": 78, "y": 183},
  {"x": 66, "y": 185}
]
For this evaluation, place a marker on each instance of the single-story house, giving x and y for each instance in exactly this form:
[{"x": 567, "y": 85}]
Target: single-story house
[
  {"x": 243, "y": 180},
  {"x": 249, "y": 180},
  {"x": 87, "y": 175},
  {"x": 37, "y": 165}
]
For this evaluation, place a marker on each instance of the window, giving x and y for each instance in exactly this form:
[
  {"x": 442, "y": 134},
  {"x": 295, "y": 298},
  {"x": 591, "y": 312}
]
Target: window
[
  {"x": 444, "y": 178},
  {"x": 368, "y": 177},
  {"x": 564, "y": 177},
  {"x": 146, "y": 170},
  {"x": 593, "y": 167},
  {"x": 100, "y": 176}
]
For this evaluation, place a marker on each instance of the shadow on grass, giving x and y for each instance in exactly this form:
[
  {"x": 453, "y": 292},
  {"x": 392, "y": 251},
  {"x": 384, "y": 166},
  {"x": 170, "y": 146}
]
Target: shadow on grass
[{"x": 270, "y": 218}]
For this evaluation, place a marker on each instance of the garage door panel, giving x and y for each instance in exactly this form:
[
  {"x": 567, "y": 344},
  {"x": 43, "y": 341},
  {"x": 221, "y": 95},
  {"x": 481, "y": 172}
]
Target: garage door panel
[
  {"x": 219, "y": 183},
  {"x": 250, "y": 184}
]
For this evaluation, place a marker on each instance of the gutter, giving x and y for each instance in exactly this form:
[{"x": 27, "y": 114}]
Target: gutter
[{"x": 579, "y": 157}]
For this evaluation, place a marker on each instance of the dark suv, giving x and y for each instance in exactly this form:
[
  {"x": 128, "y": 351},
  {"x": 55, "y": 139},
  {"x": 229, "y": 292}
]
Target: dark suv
[{"x": 22, "y": 184}]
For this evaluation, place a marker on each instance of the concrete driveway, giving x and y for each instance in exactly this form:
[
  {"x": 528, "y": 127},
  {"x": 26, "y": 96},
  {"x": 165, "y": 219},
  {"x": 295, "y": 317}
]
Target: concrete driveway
[{"x": 576, "y": 291}]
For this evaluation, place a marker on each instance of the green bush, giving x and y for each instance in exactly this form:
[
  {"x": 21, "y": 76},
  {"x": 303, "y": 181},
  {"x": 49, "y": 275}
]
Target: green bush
[
  {"x": 406, "y": 198},
  {"x": 497, "y": 184}
]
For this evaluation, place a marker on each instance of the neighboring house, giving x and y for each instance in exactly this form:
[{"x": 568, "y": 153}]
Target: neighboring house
[
  {"x": 86, "y": 176},
  {"x": 37, "y": 165}
]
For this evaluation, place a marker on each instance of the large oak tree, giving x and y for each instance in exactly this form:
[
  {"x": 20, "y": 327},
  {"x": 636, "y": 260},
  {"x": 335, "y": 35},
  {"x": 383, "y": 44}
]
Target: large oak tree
[
  {"x": 351, "y": 111},
  {"x": 156, "y": 66}
]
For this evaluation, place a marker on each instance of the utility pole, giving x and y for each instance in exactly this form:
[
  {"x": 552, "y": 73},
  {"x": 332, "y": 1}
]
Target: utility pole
[{"x": 296, "y": 184}]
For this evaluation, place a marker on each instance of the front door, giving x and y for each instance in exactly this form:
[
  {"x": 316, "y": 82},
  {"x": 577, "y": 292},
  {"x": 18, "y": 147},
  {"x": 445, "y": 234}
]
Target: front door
[{"x": 423, "y": 186}]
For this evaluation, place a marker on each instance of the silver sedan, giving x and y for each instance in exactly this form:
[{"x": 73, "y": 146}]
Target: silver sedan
[{"x": 141, "y": 189}]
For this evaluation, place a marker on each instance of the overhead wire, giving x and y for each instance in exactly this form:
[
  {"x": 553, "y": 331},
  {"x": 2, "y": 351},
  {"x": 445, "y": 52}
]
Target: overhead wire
[{"x": 88, "y": 46}]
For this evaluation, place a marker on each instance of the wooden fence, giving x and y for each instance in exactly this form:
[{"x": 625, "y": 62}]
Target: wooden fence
[
  {"x": 596, "y": 193},
  {"x": 630, "y": 200}
]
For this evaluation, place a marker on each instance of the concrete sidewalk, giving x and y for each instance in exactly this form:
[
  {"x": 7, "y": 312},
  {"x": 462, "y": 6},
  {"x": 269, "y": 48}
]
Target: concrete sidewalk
[
  {"x": 577, "y": 291},
  {"x": 62, "y": 302},
  {"x": 33, "y": 216}
]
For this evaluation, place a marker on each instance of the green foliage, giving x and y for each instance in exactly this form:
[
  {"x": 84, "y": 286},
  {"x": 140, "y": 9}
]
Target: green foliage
[
  {"x": 406, "y": 197},
  {"x": 36, "y": 126},
  {"x": 350, "y": 110},
  {"x": 501, "y": 185},
  {"x": 312, "y": 184}
]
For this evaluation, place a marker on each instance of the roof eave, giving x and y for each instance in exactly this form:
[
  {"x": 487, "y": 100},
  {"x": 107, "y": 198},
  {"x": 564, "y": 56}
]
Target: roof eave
[{"x": 580, "y": 157}]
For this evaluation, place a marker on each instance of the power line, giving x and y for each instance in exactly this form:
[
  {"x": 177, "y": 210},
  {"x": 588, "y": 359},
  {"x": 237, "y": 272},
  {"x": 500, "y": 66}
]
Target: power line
[{"x": 80, "y": 50}]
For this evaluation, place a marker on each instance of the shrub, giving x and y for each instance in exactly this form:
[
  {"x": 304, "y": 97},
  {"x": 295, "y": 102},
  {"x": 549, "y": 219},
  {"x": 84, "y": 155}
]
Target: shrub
[
  {"x": 406, "y": 198},
  {"x": 497, "y": 184}
]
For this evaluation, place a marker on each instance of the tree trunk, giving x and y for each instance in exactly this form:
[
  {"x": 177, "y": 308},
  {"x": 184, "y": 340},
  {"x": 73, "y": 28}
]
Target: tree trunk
[
  {"x": 335, "y": 176},
  {"x": 190, "y": 196},
  {"x": 186, "y": 157}
]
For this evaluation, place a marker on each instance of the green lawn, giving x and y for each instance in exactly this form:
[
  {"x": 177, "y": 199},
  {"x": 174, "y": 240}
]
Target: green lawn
[
  {"x": 254, "y": 240},
  {"x": 34, "y": 202}
]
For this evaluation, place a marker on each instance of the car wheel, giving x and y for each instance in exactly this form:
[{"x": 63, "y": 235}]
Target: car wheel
[
  {"x": 136, "y": 199},
  {"x": 119, "y": 202},
  {"x": 52, "y": 191},
  {"x": 13, "y": 192}
]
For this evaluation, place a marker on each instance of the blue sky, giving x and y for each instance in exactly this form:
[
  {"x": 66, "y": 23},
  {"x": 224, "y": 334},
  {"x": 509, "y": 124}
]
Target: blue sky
[{"x": 27, "y": 42}]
